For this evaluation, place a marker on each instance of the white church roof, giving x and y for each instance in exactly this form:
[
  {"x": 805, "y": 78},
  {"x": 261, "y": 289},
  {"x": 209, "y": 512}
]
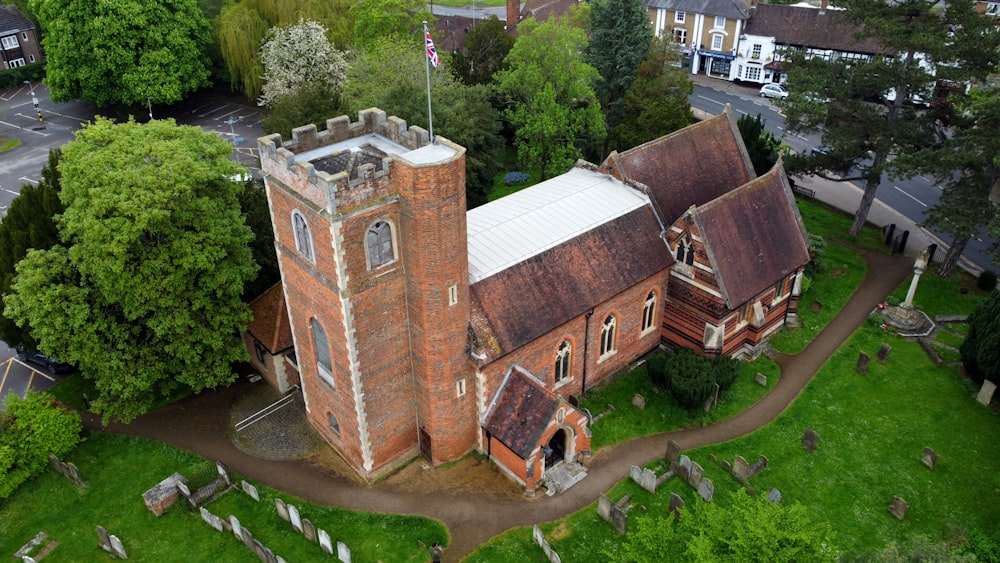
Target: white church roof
[{"x": 526, "y": 223}]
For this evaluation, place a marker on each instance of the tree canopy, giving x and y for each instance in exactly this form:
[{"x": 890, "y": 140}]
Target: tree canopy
[
  {"x": 981, "y": 348},
  {"x": 296, "y": 55},
  {"x": 144, "y": 291},
  {"x": 118, "y": 53},
  {"x": 374, "y": 20},
  {"x": 761, "y": 144},
  {"x": 483, "y": 51}
]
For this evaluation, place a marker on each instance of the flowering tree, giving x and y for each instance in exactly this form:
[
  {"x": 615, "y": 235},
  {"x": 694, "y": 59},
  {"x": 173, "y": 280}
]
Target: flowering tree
[{"x": 297, "y": 55}]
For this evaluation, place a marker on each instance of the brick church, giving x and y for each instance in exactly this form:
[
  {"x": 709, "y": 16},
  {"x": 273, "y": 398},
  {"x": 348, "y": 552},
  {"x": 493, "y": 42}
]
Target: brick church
[{"x": 415, "y": 326}]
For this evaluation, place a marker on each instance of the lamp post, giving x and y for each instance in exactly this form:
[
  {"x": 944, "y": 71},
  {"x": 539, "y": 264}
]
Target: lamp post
[
  {"x": 232, "y": 121},
  {"x": 34, "y": 100},
  {"x": 149, "y": 103}
]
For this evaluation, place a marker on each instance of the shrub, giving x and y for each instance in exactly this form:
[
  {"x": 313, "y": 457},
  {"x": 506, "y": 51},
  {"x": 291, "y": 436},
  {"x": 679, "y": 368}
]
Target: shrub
[
  {"x": 689, "y": 378},
  {"x": 656, "y": 366},
  {"x": 31, "y": 429},
  {"x": 987, "y": 280},
  {"x": 981, "y": 349},
  {"x": 726, "y": 370},
  {"x": 817, "y": 248},
  {"x": 515, "y": 178},
  {"x": 14, "y": 77}
]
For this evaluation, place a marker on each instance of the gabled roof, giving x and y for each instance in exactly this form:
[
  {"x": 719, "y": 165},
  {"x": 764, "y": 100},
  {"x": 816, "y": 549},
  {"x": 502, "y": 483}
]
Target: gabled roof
[
  {"x": 270, "y": 325},
  {"x": 732, "y": 9},
  {"x": 520, "y": 411},
  {"x": 688, "y": 167},
  {"x": 810, "y": 27},
  {"x": 12, "y": 20},
  {"x": 534, "y": 296},
  {"x": 450, "y": 31},
  {"x": 754, "y": 236},
  {"x": 543, "y": 10}
]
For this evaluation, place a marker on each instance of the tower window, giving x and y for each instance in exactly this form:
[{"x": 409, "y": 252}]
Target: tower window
[
  {"x": 323, "y": 364},
  {"x": 379, "y": 243},
  {"x": 303, "y": 238}
]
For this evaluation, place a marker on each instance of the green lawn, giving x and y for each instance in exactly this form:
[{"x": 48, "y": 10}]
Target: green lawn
[{"x": 7, "y": 143}]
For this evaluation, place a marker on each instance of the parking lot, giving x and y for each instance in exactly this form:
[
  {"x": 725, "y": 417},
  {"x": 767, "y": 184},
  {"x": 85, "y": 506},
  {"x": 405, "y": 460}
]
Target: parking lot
[{"x": 19, "y": 377}]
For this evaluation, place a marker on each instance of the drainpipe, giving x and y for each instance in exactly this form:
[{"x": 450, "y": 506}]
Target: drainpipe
[{"x": 586, "y": 343}]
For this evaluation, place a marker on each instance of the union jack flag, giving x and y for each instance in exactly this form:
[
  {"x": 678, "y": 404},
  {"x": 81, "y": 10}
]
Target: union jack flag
[{"x": 432, "y": 53}]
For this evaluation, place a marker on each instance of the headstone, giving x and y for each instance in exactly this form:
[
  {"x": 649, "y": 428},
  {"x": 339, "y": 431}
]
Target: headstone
[
  {"x": 223, "y": 472},
  {"x": 211, "y": 519},
  {"x": 740, "y": 469},
  {"x": 269, "y": 556},
  {"x": 649, "y": 480},
  {"x": 898, "y": 507},
  {"x": 684, "y": 467},
  {"x": 773, "y": 495},
  {"x": 986, "y": 392},
  {"x": 809, "y": 440},
  {"x": 74, "y": 474},
  {"x": 817, "y": 306},
  {"x": 639, "y": 402},
  {"x": 250, "y": 490},
  {"x": 673, "y": 450},
  {"x": 31, "y": 545},
  {"x": 711, "y": 401},
  {"x": 930, "y": 457},
  {"x": 343, "y": 552},
  {"x": 862, "y": 365},
  {"x": 694, "y": 478},
  {"x": 713, "y": 458},
  {"x": 676, "y": 503},
  {"x": 706, "y": 489},
  {"x": 728, "y": 467},
  {"x": 757, "y": 467},
  {"x": 185, "y": 492},
  {"x": 604, "y": 507},
  {"x": 117, "y": 548},
  {"x": 324, "y": 541},
  {"x": 619, "y": 519},
  {"x": 258, "y": 549},
  {"x": 282, "y": 509},
  {"x": 309, "y": 530},
  {"x": 247, "y": 538},
  {"x": 294, "y": 518},
  {"x": 539, "y": 537},
  {"x": 636, "y": 474},
  {"x": 883, "y": 352},
  {"x": 237, "y": 528},
  {"x": 761, "y": 379},
  {"x": 103, "y": 539}
]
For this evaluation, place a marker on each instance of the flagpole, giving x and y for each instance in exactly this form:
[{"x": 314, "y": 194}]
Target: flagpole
[{"x": 427, "y": 66}]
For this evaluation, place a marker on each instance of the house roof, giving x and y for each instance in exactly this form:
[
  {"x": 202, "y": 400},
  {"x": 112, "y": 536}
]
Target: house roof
[
  {"x": 754, "y": 236},
  {"x": 732, "y": 9},
  {"x": 12, "y": 20},
  {"x": 270, "y": 324},
  {"x": 810, "y": 27},
  {"x": 520, "y": 411},
  {"x": 566, "y": 280},
  {"x": 449, "y": 31},
  {"x": 543, "y": 10},
  {"x": 686, "y": 168}
]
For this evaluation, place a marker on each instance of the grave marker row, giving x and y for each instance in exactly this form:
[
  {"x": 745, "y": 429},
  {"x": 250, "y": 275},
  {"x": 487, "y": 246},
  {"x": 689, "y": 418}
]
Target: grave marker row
[
  {"x": 539, "y": 538},
  {"x": 290, "y": 513},
  {"x": 68, "y": 470}
]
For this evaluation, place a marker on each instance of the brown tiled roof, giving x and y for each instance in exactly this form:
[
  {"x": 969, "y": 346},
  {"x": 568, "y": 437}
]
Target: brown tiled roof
[
  {"x": 270, "y": 324},
  {"x": 521, "y": 410},
  {"x": 754, "y": 236},
  {"x": 532, "y": 297},
  {"x": 543, "y": 10},
  {"x": 688, "y": 167},
  {"x": 810, "y": 27},
  {"x": 449, "y": 32}
]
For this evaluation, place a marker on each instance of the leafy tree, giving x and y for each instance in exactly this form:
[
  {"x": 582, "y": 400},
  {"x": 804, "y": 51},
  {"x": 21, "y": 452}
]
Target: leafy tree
[
  {"x": 391, "y": 75},
  {"x": 620, "y": 35},
  {"x": 761, "y": 143},
  {"x": 657, "y": 102},
  {"x": 549, "y": 100},
  {"x": 29, "y": 223},
  {"x": 144, "y": 291},
  {"x": 297, "y": 55},
  {"x": 749, "y": 529},
  {"x": 923, "y": 43},
  {"x": 378, "y": 19},
  {"x": 30, "y": 430},
  {"x": 311, "y": 103},
  {"x": 118, "y": 53},
  {"x": 980, "y": 350},
  {"x": 253, "y": 203},
  {"x": 483, "y": 51}
]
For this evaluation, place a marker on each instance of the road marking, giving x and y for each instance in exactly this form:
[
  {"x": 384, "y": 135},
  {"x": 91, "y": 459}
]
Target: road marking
[
  {"x": 11, "y": 191},
  {"x": 28, "y": 180},
  {"x": 910, "y": 196},
  {"x": 5, "y": 372},
  {"x": 33, "y": 370},
  {"x": 237, "y": 110},
  {"x": 67, "y": 116},
  {"x": 711, "y": 100}
]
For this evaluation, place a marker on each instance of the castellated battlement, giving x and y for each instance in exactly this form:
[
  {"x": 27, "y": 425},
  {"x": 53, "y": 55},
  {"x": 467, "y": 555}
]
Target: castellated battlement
[{"x": 343, "y": 165}]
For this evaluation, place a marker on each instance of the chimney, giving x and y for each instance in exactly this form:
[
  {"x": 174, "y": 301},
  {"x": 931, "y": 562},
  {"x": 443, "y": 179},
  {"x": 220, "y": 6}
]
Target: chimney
[
  {"x": 822, "y": 6},
  {"x": 513, "y": 14}
]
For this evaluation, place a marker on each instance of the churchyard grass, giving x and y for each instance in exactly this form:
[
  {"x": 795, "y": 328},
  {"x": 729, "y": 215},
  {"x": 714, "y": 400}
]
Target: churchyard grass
[
  {"x": 947, "y": 338},
  {"x": 942, "y": 296},
  {"x": 872, "y": 432},
  {"x": 118, "y": 469}
]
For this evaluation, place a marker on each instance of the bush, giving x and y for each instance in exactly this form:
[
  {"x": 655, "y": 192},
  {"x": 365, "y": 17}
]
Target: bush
[
  {"x": 31, "y": 429},
  {"x": 14, "y": 77},
  {"x": 656, "y": 369},
  {"x": 690, "y": 378},
  {"x": 981, "y": 349},
  {"x": 987, "y": 280},
  {"x": 726, "y": 370},
  {"x": 817, "y": 248}
]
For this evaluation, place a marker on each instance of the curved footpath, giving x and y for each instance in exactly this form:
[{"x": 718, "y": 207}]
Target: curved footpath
[{"x": 200, "y": 424}]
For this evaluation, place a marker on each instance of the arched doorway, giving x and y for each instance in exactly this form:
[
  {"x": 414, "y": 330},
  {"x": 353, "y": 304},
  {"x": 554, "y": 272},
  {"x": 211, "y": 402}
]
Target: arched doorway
[{"x": 555, "y": 450}]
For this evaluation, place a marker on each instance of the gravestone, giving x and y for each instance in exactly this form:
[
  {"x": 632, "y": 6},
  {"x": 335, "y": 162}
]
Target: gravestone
[
  {"x": 536, "y": 534},
  {"x": 757, "y": 467},
  {"x": 324, "y": 541},
  {"x": 986, "y": 392},
  {"x": 706, "y": 489},
  {"x": 250, "y": 490},
  {"x": 247, "y": 538},
  {"x": 761, "y": 379},
  {"x": 31, "y": 545},
  {"x": 282, "y": 509},
  {"x": 809, "y": 440},
  {"x": 604, "y": 507},
  {"x": 639, "y": 402},
  {"x": 773, "y": 495},
  {"x": 711, "y": 401},
  {"x": 930, "y": 457},
  {"x": 862, "y": 365},
  {"x": 269, "y": 555},
  {"x": 619, "y": 519},
  {"x": 676, "y": 503},
  {"x": 343, "y": 552},
  {"x": 211, "y": 519},
  {"x": 185, "y": 492},
  {"x": 673, "y": 450},
  {"x": 294, "y": 518},
  {"x": 117, "y": 548},
  {"x": 223, "y": 472},
  {"x": 883, "y": 352},
  {"x": 713, "y": 458},
  {"x": 309, "y": 530},
  {"x": 740, "y": 469},
  {"x": 636, "y": 474},
  {"x": 234, "y": 523},
  {"x": 898, "y": 507},
  {"x": 694, "y": 478},
  {"x": 103, "y": 540},
  {"x": 258, "y": 549},
  {"x": 728, "y": 467},
  {"x": 684, "y": 467},
  {"x": 817, "y": 306}
]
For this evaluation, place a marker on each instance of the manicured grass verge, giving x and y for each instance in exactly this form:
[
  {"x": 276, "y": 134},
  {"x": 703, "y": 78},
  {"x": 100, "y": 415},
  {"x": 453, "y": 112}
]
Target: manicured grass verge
[
  {"x": 118, "y": 469},
  {"x": 7, "y": 143},
  {"x": 872, "y": 429}
]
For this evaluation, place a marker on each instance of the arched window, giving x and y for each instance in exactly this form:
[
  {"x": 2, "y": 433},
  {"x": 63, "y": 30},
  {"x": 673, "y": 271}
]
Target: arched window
[
  {"x": 323, "y": 364},
  {"x": 685, "y": 251},
  {"x": 649, "y": 311},
  {"x": 303, "y": 238},
  {"x": 608, "y": 336},
  {"x": 562, "y": 361},
  {"x": 379, "y": 243}
]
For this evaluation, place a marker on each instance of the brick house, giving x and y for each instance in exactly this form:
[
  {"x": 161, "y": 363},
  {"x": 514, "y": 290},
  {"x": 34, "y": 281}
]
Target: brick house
[
  {"x": 268, "y": 339},
  {"x": 424, "y": 328},
  {"x": 705, "y": 32},
  {"x": 18, "y": 43}
]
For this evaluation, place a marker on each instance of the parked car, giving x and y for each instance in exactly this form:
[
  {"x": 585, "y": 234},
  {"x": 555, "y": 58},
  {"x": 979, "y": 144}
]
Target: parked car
[
  {"x": 819, "y": 150},
  {"x": 50, "y": 364},
  {"x": 773, "y": 91}
]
